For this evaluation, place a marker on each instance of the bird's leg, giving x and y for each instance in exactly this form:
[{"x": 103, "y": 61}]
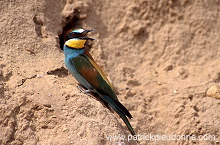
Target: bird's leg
[{"x": 85, "y": 91}]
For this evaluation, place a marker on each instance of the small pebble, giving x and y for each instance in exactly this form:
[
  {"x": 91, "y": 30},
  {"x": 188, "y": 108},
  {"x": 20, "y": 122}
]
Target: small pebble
[
  {"x": 214, "y": 92},
  {"x": 159, "y": 83},
  {"x": 47, "y": 105},
  {"x": 64, "y": 129},
  {"x": 41, "y": 75}
]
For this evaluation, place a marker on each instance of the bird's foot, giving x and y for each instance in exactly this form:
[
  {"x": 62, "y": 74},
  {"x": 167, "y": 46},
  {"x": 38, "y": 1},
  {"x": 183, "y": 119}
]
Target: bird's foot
[{"x": 85, "y": 91}]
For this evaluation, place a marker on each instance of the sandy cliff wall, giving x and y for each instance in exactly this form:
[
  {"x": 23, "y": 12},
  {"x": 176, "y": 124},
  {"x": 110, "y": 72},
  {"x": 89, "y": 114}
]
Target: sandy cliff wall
[{"x": 161, "y": 57}]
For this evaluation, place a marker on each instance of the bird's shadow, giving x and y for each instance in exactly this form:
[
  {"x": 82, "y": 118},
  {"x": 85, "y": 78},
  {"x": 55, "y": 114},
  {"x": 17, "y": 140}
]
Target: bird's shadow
[{"x": 60, "y": 72}]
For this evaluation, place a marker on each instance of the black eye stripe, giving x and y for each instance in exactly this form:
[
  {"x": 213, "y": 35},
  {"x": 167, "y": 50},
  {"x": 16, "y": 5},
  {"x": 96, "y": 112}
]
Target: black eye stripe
[{"x": 76, "y": 34}]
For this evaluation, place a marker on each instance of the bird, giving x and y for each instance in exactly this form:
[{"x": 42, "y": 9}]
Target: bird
[{"x": 86, "y": 71}]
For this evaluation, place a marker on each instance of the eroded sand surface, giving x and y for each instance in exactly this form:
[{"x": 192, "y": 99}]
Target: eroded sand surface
[{"x": 161, "y": 56}]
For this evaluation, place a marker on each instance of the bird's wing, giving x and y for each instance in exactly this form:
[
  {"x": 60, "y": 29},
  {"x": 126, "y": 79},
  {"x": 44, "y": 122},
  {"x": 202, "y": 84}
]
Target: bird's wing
[{"x": 91, "y": 72}]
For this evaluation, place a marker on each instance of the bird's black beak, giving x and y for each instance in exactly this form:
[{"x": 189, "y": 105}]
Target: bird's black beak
[
  {"x": 87, "y": 38},
  {"x": 85, "y": 32}
]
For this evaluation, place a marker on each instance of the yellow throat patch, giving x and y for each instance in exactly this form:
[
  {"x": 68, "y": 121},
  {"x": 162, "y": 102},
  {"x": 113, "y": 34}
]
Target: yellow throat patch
[{"x": 73, "y": 43}]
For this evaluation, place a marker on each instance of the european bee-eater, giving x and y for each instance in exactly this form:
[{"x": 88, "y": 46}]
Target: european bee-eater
[{"x": 82, "y": 66}]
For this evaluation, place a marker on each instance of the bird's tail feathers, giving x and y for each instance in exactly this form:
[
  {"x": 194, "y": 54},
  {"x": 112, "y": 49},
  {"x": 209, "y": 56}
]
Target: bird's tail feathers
[
  {"x": 120, "y": 110},
  {"x": 117, "y": 104},
  {"x": 124, "y": 118}
]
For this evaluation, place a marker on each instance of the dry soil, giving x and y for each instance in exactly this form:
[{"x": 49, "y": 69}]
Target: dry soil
[{"x": 162, "y": 57}]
